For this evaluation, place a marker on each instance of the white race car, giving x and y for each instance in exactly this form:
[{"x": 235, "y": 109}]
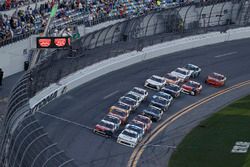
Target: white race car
[
  {"x": 141, "y": 92},
  {"x": 182, "y": 73},
  {"x": 195, "y": 70},
  {"x": 128, "y": 138},
  {"x": 155, "y": 82}
]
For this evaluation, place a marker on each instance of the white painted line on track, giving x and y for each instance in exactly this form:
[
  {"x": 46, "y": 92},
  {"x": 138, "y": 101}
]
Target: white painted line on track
[
  {"x": 65, "y": 120},
  {"x": 226, "y": 54},
  {"x": 111, "y": 94}
]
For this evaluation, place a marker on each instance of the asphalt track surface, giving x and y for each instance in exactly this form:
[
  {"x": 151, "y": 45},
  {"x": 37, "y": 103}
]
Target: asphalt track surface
[{"x": 87, "y": 105}]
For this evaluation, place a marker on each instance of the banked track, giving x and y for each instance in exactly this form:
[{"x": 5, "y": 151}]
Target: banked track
[{"x": 87, "y": 104}]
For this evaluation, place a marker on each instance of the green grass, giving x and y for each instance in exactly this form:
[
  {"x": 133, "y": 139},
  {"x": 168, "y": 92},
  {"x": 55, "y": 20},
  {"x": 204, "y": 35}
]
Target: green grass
[{"x": 210, "y": 143}]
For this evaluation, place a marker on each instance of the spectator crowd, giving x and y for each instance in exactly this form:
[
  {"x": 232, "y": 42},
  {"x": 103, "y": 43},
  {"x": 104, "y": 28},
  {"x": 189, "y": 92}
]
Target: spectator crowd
[{"x": 34, "y": 20}]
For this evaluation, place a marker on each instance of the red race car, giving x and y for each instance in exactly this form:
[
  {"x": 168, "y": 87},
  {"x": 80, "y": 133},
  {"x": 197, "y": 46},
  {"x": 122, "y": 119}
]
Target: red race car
[
  {"x": 192, "y": 88},
  {"x": 144, "y": 120},
  {"x": 216, "y": 79}
]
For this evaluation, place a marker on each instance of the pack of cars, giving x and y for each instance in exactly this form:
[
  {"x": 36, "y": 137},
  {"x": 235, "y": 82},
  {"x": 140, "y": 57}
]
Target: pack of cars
[{"x": 168, "y": 87}]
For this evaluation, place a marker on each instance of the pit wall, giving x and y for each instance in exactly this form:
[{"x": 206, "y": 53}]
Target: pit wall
[{"x": 87, "y": 74}]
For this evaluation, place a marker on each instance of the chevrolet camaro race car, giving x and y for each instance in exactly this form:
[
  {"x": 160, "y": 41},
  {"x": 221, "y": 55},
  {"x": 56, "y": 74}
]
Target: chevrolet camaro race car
[
  {"x": 182, "y": 73},
  {"x": 153, "y": 113},
  {"x": 173, "y": 90},
  {"x": 155, "y": 82},
  {"x": 105, "y": 128},
  {"x": 128, "y": 138},
  {"x": 216, "y": 79},
  {"x": 194, "y": 69},
  {"x": 192, "y": 88}
]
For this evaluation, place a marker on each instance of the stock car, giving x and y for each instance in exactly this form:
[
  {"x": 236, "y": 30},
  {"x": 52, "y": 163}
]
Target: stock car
[
  {"x": 216, "y": 79},
  {"x": 155, "y": 82},
  {"x": 134, "y": 96},
  {"x": 143, "y": 119},
  {"x": 195, "y": 70},
  {"x": 131, "y": 102},
  {"x": 154, "y": 113},
  {"x": 137, "y": 129},
  {"x": 128, "y": 138},
  {"x": 121, "y": 114},
  {"x": 164, "y": 95},
  {"x": 172, "y": 89},
  {"x": 112, "y": 119},
  {"x": 160, "y": 102},
  {"x": 139, "y": 124},
  {"x": 191, "y": 87},
  {"x": 141, "y": 92},
  {"x": 104, "y": 128},
  {"x": 182, "y": 73},
  {"x": 121, "y": 106},
  {"x": 171, "y": 79}
]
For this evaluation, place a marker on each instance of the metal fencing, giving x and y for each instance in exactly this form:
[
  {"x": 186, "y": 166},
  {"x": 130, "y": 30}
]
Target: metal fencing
[{"x": 25, "y": 142}]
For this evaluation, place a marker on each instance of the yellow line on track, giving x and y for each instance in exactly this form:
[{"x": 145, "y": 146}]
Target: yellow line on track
[{"x": 134, "y": 158}]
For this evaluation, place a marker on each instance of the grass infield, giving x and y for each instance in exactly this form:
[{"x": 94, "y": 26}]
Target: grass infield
[{"x": 210, "y": 143}]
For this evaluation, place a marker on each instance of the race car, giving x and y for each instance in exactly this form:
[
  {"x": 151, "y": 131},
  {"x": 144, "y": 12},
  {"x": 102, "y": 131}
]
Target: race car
[
  {"x": 164, "y": 95},
  {"x": 160, "y": 102},
  {"x": 195, "y": 70},
  {"x": 141, "y": 92},
  {"x": 191, "y": 87},
  {"x": 182, "y": 73},
  {"x": 104, "y": 128},
  {"x": 112, "y": 119},
  {"x": 131, "y": 102},
  {"x": 134, "y": 96},
  {"x": 139, "y": 124},
  {"x": 153, "y": 113},
  {"x": 121, "y": 106},
  {"x": 171, "y": 79},
  {"x": 128, "y": 138},
  {"x": 155, "y": 82},
  {"x": 143, "y": 119},
  {"x": 216, "y": 79},
  {"x": 122, "y": 115},
  {"x": 173, "y": 90},
  {"x": 137, "y": 129}
]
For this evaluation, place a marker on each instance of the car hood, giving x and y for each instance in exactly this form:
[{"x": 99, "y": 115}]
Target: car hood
[{"x": 128, "y": 138}]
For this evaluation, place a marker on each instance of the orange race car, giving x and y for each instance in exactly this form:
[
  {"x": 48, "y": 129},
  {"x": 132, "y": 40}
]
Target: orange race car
[{"x": 216, "y": 79}]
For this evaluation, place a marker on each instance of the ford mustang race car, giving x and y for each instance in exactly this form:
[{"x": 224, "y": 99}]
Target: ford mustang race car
[
  {"x": 131, "y": 102},
  {"x": 195, "y": 70},
  {"x": 128, "y": 138},
  {"x": 141, "y": 92},
  {"x": 153, "y": 113},
  {"x": 112, "y": 119},
  {"x": 105, "y": 128},
  {"x": 121, "y": 114},
  {"x": 121, "y": 106},
  {"x": 216, "y": 79},
  {"x": 171, "y": 79},
  {"x": 160, "y": 102},
  {"x": 155, "y": 82},
  {"x": 192, "y": 88},
  {"x": 137, "y": 129},
  {"x": 173, "y": 90},
  {"x": 143, "y": 119},
  {"x": 182, "y": 73},
  {"x": 164, "y": 95}
]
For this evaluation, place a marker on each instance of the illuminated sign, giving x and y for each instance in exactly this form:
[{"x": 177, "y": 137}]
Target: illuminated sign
[{"x": 52, "y": 42}]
